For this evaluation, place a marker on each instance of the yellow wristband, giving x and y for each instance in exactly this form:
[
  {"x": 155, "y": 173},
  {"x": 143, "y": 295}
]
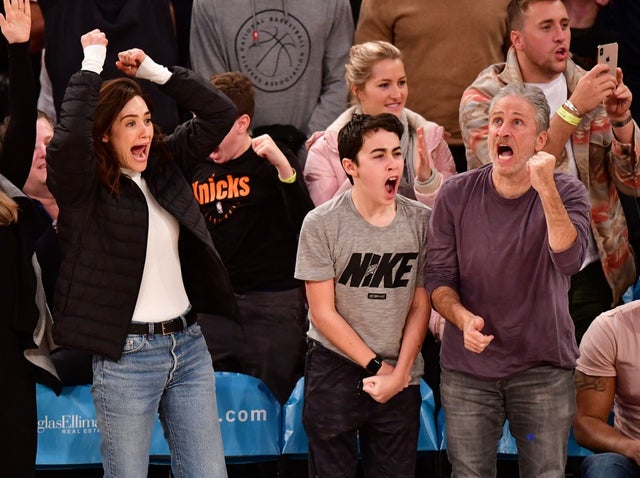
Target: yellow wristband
[
  {"x": 290, "y": 180},
  {"x": 570, "y": 118}
]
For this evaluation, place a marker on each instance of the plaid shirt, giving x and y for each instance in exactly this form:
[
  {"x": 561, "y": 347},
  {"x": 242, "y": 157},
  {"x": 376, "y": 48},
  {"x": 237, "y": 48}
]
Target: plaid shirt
[{"x": 604, "y": 164}]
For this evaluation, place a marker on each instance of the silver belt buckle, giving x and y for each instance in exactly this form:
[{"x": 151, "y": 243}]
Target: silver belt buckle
[{"x": 162, "y": 324}]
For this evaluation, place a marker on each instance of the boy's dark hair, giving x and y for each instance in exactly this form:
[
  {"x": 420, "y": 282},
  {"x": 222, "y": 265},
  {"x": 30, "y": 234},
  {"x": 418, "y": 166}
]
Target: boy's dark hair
[
  {"x": 351, "y": 136},
  {"x": 238, "y": 88}
]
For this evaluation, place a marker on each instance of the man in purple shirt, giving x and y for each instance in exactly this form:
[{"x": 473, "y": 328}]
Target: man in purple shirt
[{"x": 504, "y": 242}]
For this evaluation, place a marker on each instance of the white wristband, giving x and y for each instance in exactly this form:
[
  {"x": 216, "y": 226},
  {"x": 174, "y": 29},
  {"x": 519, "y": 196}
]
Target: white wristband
[
  {"x": 152, "y": 71},
  {"x": 94, "y": 56}
]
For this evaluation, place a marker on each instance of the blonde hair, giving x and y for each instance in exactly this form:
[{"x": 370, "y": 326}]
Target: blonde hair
[
  {"x": 363, "y": 57},
  {"x": 8, "y": 209}
]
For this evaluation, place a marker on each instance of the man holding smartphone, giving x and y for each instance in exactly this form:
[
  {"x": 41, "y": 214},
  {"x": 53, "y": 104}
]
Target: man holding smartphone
[{"x": 592, "y": 134}]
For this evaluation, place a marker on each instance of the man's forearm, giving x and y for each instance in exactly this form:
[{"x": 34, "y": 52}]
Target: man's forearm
[
  {"x": 447, "y": 302},
  {"x": 561, "y": 231}
]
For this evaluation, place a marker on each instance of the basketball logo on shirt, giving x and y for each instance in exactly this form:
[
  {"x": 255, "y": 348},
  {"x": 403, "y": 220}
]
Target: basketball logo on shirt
[
  {"x": 224, "y": 192},
  {"x": 273, "y": 50}
]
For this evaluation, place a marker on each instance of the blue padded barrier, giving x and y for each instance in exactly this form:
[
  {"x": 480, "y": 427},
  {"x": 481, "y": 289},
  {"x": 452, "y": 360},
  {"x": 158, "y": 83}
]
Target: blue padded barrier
[
  {"x": 67, "y": 431},
  {"x": 507, "y": 443},
  {"x": 250, "y": 423},
  {"x": 250, "y": 416},
  {"x": 159, "y": 451},
  {"x": 294, "y": 438},
  {"x": 573, "y": 449},
  {"x": 250, "y": 420},
  {"x": 428, "y": 433}
]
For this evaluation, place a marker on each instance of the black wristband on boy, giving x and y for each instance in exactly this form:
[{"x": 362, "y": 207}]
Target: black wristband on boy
[{"x": 374, "y": 365}]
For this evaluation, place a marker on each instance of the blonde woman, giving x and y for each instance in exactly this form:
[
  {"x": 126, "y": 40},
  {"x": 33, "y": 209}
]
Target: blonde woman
[{"x": 377, "y": 81}]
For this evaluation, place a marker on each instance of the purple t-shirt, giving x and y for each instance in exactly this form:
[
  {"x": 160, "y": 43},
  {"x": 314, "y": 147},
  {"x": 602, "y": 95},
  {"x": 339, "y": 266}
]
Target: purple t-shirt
[{"x": 495, "y": 253}]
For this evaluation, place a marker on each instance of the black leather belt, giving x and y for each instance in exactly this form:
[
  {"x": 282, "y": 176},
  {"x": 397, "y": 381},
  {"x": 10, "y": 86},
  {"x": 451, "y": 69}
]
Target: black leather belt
[{"x": 165, "y": 327}]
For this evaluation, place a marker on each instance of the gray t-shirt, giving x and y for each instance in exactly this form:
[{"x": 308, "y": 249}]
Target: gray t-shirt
[{"x": 375, "y": 269}]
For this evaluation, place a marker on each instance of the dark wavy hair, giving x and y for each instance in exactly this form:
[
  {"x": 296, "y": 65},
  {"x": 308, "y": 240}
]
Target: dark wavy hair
[{"x": 113, "y": 96}]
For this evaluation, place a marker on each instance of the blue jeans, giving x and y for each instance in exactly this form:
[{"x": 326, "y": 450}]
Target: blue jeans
[
  {"x": 540, "y": 405},
  {"x": 611, "y": 465},
  {"x": 167, "y": 374}
]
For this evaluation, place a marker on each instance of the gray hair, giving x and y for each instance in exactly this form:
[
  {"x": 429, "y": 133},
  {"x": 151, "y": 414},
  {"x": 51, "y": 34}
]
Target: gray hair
[{"x": 533, "y": 95}]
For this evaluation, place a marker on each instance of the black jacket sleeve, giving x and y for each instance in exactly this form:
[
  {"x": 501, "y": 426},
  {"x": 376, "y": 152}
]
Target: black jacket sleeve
[
  {"x": 20, "y": 136},
  {"x": 71, "y": 163},
  {"x": 214, "y": 115}
]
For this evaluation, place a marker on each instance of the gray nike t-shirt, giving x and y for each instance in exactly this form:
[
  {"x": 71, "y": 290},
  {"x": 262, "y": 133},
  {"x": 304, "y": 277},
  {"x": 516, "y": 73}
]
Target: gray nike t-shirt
[{"x": 375, "y": 269}]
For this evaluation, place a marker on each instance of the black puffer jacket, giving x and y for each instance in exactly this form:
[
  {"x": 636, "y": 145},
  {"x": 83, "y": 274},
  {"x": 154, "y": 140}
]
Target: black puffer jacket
[{"x": 104, "y": 235}]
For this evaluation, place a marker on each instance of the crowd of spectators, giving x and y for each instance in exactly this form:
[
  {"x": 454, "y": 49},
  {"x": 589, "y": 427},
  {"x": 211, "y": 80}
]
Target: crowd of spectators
[{"x": 515, "y": 149}]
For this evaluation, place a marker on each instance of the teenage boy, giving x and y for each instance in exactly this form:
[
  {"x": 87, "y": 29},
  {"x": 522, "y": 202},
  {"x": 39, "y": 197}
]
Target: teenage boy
[
  {"x": 362, "y": 257},
  {"x": 254, "y": 201}
]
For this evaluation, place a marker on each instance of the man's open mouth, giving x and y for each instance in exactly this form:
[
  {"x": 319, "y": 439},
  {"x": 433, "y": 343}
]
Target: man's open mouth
[{"x": 504, "y": 151}]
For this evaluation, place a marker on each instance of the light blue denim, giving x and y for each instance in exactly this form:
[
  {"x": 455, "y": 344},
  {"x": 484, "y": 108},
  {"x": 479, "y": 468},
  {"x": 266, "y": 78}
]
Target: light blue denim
[
  {"x": 540, "y": 405},
  {"x": 172, "y": 375},
  {"x": 609, "y": 465}
]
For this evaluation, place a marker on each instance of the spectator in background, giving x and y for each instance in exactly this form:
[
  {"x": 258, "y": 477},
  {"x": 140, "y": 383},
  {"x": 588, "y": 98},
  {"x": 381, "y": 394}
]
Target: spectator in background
[
  {"x": 294, "y": 52},
  {"x": 24, "y": 315},
  {"x": 36, "y": 185},
  {"x": 445, "y": 44},
  {"x": 607, "y": 380},
  {"x": 592, "y": 135},
  {"x": 254, "y": 201},
  {"x": 504, "y": 240},
  {"x": 376, "y": 78},
  {"x": 145, "y": 23},
  {"x": 73, "y": 366}
]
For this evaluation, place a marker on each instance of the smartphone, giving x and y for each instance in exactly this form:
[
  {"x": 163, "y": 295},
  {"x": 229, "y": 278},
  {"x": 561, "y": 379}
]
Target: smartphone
[{"x": 608, "y": 54}]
